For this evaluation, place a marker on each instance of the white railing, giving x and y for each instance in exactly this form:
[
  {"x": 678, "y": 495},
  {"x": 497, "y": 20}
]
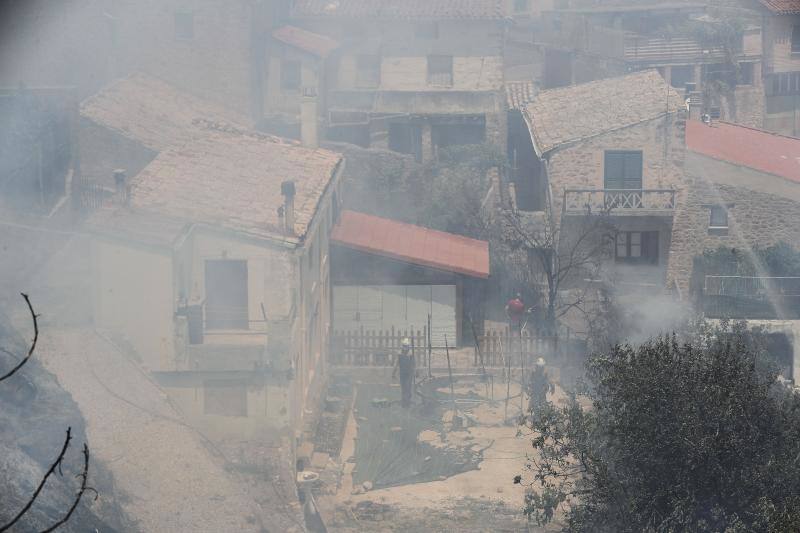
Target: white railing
[{"x": 619, "y": 201}]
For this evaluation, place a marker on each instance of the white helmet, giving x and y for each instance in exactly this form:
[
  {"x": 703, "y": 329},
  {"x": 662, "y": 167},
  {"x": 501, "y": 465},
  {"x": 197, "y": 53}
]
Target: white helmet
[
  {"x": 540, "y": 362},
  {"x": 405, "y": 343}
]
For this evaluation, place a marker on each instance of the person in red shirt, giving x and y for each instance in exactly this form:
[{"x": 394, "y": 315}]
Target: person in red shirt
[{"x": 515, "y": 310}]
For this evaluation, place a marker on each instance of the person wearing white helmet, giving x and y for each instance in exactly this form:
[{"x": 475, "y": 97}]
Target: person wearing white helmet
[
  {"x": 539, "y": 385},
  {"x": 405, "y": 364}
]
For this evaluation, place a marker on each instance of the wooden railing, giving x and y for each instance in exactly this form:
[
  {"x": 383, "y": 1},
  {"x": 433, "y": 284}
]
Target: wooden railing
[
  {"x": 495, "y": 348},
  {"x": 619, "y": 201}
]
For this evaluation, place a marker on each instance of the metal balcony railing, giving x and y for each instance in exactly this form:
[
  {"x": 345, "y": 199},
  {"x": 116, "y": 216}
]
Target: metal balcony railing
[
  {"x": 742, "y": 297},
  {"x": 619, "y": 201}
]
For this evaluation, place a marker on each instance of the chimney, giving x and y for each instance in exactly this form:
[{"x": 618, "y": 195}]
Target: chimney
[
  {"x": 308, "y": 118},
  {"x": 287, "y": 190}
]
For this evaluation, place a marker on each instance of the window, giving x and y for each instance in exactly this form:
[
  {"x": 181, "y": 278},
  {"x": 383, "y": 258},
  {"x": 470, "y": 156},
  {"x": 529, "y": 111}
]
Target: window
[
  {"x": 623, "y": 170},
  {"x": 680, "y": 75},
  {"x": 796, "y": 39},
  {"x": 718, "y": 218},
  {"x": 290, "y": 75},
  {"x": 368, "y": 71},
  {"x": 226, "y": 302},
  {"x": 184, "y": 25},
  {"x": 637, "y": 247},
  {"x": 520, "y": 6},
  {"x": 745, "y": 74},
  {"x": 427, "y": 30},
  {"x": 440, "y": 70},
  {"x": 225, "y": 397}
]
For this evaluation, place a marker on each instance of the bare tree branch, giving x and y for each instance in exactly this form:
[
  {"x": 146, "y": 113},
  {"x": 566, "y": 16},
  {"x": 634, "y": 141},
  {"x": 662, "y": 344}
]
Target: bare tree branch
[
  {"x": 33, "y": 344},
  {"x": 84, "y": 479},
  {"x": 56, "y": 464}
]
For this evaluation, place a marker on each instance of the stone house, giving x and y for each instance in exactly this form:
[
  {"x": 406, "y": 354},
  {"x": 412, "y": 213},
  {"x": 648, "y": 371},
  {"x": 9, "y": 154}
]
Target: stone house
[
  {"x": 781, "y": 43},
  {"x": 613, "y": 146},
  {"x": 744, "y": 193},
  {"x": 588, "y": 41},
  {"x": 413, "y": 76},
  {"x": 211, "y": 265}
]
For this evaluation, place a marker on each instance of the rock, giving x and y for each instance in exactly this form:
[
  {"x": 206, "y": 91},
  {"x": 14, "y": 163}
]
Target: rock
[
  {"x": 356, "y": 491},
  {"x": 367, "y": 486}
]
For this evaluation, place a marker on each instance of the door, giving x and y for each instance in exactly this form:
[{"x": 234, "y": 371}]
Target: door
[
  {"x": 226, "y": 294},
  {"x": 623, "y": 172}
]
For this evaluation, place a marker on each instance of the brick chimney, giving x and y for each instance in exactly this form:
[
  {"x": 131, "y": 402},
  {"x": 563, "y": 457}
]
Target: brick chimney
[
  {"x": 309, "y": 125},
  {"x": 288, "y": 190}
]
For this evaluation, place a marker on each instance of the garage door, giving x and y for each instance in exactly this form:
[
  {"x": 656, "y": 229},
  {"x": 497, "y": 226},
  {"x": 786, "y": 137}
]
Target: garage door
[{"x": 400, "y": 306}]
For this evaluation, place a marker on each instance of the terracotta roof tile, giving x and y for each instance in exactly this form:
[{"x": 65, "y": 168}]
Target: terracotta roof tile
[
  {"x": 561, "y": 116},
  {"x": 313, "y": 43},
  {"x": 233, "y": 180},
  {"x": 400, "y": 9},
  {"x": 152, "y": 112},
  {"x": 749, "y": 147},
  {"x": 412, "y": 244},
  {"x": 784, "y": 7}
]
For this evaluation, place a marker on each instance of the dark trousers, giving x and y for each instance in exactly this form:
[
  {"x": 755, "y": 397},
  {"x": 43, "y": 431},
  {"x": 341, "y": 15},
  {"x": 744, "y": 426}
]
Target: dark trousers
[{"x": 406, "y": 383}]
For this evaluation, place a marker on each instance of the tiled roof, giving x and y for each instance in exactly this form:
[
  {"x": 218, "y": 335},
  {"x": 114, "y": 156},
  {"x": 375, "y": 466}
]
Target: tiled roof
[
  {"x": 412, "y": 244},
  {"x": 784, "y": 7},
  {"x": 562, "y": 116},
  {"x": 400, "y": 9},
  {"x": 519, "y": 93},
  {"x": 740, "y": 145},
  {"x": 152, "y": 112},
  {"x": 232, "y": 180},
  {"x": 313, "y": 43}
]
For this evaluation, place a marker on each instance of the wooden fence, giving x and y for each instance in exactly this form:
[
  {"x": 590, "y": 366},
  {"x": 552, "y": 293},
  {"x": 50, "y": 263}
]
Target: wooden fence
[
  {"x": 374, "y": 348},
  {"x": 495, "y": 348}
]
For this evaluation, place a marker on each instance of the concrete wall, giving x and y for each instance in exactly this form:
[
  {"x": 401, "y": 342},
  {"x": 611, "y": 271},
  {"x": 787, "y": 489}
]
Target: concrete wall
[
  {"x": 762, "y": 210},
  {"x": 133, "y": 295}
]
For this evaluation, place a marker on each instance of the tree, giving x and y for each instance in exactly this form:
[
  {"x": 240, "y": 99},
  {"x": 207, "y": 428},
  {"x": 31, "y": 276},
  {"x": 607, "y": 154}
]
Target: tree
[
  {"x": 562, "y": 261},
  {"x": 692, "y": 435}
]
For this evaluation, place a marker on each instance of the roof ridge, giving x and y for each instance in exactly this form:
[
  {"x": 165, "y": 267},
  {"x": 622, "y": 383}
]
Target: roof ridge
[{"x": 752, "y": 128}]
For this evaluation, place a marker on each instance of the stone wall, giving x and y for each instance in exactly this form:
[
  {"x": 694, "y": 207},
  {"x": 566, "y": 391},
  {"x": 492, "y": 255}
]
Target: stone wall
[
  {"x": 762, "y": 210},
  {"x": 581, "y": 165}
]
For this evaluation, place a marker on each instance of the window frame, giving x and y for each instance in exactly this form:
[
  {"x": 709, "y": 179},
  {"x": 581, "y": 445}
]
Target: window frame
[
  {"x": 437, "y": 66},
  {"x": 640, "y": 247},
  {"x": 721, "y": 212}
]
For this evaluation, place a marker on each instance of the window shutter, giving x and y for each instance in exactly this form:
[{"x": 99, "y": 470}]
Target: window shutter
[
  {"x": 614, "y": 170},
  {"x": 633, "y": 170}
]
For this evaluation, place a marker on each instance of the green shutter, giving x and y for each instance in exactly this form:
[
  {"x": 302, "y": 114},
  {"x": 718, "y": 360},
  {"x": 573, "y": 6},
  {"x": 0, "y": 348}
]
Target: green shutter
[
  {"x": 614, "y": 170},
  {"x": 632, "y": 170}
]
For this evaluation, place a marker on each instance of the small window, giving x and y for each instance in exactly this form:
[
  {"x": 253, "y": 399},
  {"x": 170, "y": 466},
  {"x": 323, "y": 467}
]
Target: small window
[
  {"x": 440, "y": 70},
  {"x": 796, "y": 39},
  {"x": 427, "y": 30},
  {"x": 745, "y": 74},
  {"x": 184, "y": 26},
  {"x": 637, "y": 247},
  {"x": 290, "y": 75},
  {"x": 718, "y": 218},
  {"x": 520, "y": 6},
  {"x": 368, "y": 74}
]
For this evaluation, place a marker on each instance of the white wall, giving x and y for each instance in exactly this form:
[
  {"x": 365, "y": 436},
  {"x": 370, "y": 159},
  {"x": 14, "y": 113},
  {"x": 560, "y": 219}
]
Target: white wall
[{"x": 133, "y": 294}]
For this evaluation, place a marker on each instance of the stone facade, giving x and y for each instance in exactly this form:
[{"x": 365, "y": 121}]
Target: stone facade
[{"x": 762, "y": 210}]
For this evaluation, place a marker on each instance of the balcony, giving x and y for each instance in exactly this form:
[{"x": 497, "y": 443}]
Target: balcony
[
  {"x": 641, "y": 202},
  {"x": 649, "y": 50},
  {"x": 756, "y": 298}
]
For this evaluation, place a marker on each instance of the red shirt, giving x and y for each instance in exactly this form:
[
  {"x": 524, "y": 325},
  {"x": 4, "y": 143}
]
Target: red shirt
[{"x": 515, "y": 310}]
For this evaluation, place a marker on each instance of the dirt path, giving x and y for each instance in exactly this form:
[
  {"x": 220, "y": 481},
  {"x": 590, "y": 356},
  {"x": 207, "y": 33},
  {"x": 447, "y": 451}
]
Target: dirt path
[{"x": 168, "y": 478}]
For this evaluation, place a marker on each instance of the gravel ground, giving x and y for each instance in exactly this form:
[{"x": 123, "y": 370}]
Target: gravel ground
[{"x": 168, "y": 478}]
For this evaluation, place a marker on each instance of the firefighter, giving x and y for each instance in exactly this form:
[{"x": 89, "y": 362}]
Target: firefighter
[
  {"x": 405, "y": 364},
  {"x": 538, "y": 386}
]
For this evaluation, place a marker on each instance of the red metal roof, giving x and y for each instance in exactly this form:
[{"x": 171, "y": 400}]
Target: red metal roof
[
  {"x": 749, "y": 147},
  {"x": 412, "y": 244},
  {"x": 784, "y": 7},
  {"x": 313, "y": 43}
]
